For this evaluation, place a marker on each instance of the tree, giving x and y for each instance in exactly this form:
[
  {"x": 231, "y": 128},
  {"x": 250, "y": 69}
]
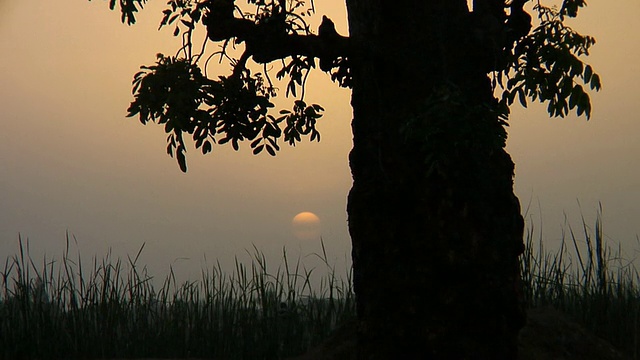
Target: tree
[{"x": 435, "y": 225}]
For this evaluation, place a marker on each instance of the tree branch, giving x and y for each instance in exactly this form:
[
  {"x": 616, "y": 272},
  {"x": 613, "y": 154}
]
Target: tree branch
[{"x": 268, "y": 40}]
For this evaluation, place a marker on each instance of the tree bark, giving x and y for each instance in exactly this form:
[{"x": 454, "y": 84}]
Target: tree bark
[{"x": 435, "y": 225}]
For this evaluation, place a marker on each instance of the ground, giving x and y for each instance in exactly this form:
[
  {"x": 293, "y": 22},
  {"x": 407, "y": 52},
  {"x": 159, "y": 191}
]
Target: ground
[{"x": 548, "y": 335}]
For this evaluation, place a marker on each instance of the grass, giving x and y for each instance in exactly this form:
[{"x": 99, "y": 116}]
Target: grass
[
  {"x": 587, "y": 280},
  {"x": 62, "y": 309}
]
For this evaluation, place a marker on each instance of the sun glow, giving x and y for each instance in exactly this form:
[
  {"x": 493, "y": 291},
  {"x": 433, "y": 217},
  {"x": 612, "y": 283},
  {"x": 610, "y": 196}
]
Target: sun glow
[{"x": 306, "y": 226}]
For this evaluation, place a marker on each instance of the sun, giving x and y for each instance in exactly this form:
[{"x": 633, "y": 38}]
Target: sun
[{"x": 306, "y": 226}]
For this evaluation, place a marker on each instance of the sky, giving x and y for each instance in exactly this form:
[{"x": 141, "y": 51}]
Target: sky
[{"x": 72, "y": 163}]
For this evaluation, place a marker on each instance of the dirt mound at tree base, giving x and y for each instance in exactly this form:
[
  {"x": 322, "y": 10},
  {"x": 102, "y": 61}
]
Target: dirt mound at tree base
[{"x": 548, "y": 335}]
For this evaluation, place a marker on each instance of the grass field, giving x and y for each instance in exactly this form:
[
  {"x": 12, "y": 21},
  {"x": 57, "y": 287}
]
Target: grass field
[{"x": 111, "y": 309}]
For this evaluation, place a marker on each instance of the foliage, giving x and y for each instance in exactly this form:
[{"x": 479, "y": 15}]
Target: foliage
[
  {"x": 456, "y": 131},
  {"x": 545, "y": 65},
  {"x": 128, "y": 8},
  {"x": 233, "y": 108}
]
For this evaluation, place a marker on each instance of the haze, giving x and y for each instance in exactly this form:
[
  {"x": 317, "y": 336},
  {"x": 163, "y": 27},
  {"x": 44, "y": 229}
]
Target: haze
[{"x": 71, "y": 162}]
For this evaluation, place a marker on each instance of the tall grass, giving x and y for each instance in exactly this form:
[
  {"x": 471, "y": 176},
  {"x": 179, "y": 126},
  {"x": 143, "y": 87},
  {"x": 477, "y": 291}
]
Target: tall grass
[
  {"x": 67, "y": 309},
  {"x": 63, "y": 310},
  {"x": 587, "y": 280}
]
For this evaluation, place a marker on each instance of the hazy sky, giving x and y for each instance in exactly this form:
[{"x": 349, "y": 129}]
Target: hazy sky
[{"x": 71, "y": 161}]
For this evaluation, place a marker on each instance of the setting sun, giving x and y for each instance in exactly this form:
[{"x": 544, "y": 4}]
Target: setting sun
[{"x": 306, "y": 226}]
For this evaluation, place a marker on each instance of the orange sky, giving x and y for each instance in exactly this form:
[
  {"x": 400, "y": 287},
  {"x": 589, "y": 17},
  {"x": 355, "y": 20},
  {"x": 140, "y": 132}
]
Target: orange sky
[{"x": 70, "y": 160}]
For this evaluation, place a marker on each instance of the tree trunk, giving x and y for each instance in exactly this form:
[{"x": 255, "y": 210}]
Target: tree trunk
[{"x": 435, "y": 225}]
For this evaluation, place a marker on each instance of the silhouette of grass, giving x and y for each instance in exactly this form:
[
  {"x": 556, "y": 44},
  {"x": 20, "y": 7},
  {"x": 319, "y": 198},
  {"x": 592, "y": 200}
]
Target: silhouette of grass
[
  {"x": 588, "y": 281},
  {"x": 112, "y": 310}
]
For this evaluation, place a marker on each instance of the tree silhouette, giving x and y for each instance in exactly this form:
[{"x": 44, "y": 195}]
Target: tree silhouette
[{"x": 436, "y": 228}]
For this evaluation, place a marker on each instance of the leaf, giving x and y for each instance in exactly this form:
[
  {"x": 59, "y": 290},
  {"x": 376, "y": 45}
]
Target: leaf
[
  {"x": 291, "y": 88},
  {"x": 271, "y": 151},
  {"x": 588, "y": 72},
  {"x": 550, "y": 108},
  {"x": 195, "y": 15},
  {"x": 255, "y": 143},
  {"x": 509, "y": 96},
  {"x": 206, "y": 147},
  {"x": 521, "y": 97},
  {"x": 566, "y": 86},
  {"x": 576, "y": 66},
  {"x": 577, "y": 91},
  {"x": 573, "y": 99},
  {"x": 595, "y": 82},
  {"x": 258, "y": 150},
  {"x": 584, "y": 105},
  {"x": 182, "y": 161},
  {"x": 273, "y": 143},
  {"x": 563, "y": 108}
]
